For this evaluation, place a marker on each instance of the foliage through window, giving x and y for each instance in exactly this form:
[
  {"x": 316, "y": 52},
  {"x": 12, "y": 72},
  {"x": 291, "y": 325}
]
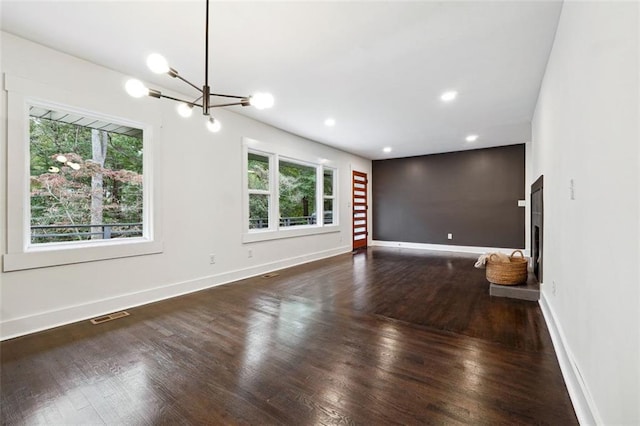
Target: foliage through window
[
  {"x": 297, "y": 194},
  {"x": 328, "y": 196},
  {"x": 259, "y": 191},
  {"x": 86, "y": 178}
]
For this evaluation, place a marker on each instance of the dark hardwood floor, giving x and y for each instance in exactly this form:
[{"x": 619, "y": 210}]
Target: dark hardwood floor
[{"x": 386, "y": 336}]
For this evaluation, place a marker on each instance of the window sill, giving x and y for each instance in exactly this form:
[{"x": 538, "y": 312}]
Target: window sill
[
  {"x": 254, "y": 236},
  {"x": 58, "y": 254}
]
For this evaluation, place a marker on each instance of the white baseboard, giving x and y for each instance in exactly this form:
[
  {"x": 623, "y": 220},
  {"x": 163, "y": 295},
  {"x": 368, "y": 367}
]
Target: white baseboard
[
  {"x": 16, "y": 327},
  {"x": 444, "y": 247},
  {"x": 583, "y": 403}
]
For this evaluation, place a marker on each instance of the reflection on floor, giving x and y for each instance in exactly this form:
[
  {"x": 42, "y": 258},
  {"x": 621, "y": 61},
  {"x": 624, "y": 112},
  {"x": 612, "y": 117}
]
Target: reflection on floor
[{"x": 383, "y": 336}]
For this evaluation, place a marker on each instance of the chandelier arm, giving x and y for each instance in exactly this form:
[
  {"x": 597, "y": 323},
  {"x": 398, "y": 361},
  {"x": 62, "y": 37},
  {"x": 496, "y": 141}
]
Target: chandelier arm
[
  {"x": 189, "y": 83},
  {"x": 228, "y": 96},
  {"x": 178, "y": 100},
  {"x": 230, "y": 104}
]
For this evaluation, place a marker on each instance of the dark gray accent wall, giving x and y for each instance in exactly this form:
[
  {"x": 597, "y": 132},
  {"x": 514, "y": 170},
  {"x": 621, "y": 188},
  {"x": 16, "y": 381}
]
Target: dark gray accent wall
[{"x": 470, "y": 194}]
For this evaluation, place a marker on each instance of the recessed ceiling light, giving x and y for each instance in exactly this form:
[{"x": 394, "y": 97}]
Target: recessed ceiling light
[
  {"x": 330, "y": 122},
  {"x": 449, "y": 95},
  {"x": 387, "y": 149},
  {"x": 471, "y": 138}
]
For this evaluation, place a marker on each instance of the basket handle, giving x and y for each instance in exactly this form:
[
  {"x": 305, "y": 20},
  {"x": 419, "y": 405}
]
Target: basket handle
[
  {"x": 514, "y": 253},
  {"x": 491, "y": 257}
]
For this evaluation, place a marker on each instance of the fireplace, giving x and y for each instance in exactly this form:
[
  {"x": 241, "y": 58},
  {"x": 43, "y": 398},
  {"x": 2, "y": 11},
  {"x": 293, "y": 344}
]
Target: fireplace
[{"x": 537, "y": 227}]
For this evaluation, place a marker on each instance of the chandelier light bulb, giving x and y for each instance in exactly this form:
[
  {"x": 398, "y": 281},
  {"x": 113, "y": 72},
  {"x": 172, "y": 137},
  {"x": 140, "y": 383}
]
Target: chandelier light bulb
[
  {"x": 213, "y": 125},
  {"x": 262, "y": 100},
  {"x": 136, "y": 88},
  {"x": 157, "y": 63},
  {"x": 449, "y": 95},
  {"x": 185, "y": 110}
]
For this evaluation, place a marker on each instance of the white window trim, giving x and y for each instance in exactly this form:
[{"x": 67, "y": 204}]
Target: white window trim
[
  {"x": 272, "y": 188},
  {"x": 21, "y": 254},
  {"x": 275, "y": 231},
  {"x": 334, "y": 213}
]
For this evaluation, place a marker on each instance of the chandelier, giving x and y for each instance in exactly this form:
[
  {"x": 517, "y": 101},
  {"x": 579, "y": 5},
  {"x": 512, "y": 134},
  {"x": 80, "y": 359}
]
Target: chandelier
[{"x": 159, "y": 65}]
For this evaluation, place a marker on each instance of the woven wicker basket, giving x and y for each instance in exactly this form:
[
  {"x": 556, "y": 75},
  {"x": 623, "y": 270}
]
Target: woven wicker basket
[{"x": 512, "y": 273}]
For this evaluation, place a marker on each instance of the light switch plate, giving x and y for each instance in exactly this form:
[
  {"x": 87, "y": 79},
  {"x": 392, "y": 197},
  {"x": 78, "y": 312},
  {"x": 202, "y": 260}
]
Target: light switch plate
[
  {"x": 522, "y": 203},
  {"x": 572, "y": 190}
]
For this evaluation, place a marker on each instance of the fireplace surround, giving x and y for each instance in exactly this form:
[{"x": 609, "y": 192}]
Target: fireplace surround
[{"x": 537, "y": 226}]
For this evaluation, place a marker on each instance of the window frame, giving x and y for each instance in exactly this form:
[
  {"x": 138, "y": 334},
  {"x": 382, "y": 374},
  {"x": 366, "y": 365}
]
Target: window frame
[
  {"x": 275, "y": 231},
  {"x": 21, "y": 253},
  {"x": 145, "y": 228},
  {"x": 303, "y": 163},
  {"x": 331, "y": 197},
  {"x": 268, "y": 192}
]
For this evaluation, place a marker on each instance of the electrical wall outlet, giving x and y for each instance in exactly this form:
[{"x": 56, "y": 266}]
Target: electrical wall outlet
[
  {"x": 250, "y": 253},
  {"x": 450, "y": 236},
  {"x": 553, "y": 287},
  {"x": 212, "y": 259}
]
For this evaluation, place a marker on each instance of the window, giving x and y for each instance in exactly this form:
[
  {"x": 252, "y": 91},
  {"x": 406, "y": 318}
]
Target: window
[
  {"x": 328, "y": 195},
  {"x": 259, "y": 190},
  {"x": 297, "y": 187},
  {"x": 86, "y": 180},
  {"x": 286, "y": 196},
  {"x": 82, "y": 177}
]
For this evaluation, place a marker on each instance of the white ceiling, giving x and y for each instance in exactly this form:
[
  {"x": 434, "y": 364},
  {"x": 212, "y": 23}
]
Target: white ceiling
[{"x": 378, "y": 68}]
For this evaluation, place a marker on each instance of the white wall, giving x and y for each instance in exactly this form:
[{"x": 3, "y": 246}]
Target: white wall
[
  {"x": 586, "y": 128},
  {"x": 201, "y": 206}
]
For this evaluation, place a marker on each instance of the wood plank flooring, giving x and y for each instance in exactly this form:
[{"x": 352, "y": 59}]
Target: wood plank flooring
[{"x": 386, "y": 336}]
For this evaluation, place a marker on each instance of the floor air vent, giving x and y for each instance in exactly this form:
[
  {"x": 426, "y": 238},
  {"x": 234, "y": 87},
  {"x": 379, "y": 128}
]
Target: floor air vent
[
  {"x": 110, "y": 317},
  {"x": 270, "y": 275}
]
